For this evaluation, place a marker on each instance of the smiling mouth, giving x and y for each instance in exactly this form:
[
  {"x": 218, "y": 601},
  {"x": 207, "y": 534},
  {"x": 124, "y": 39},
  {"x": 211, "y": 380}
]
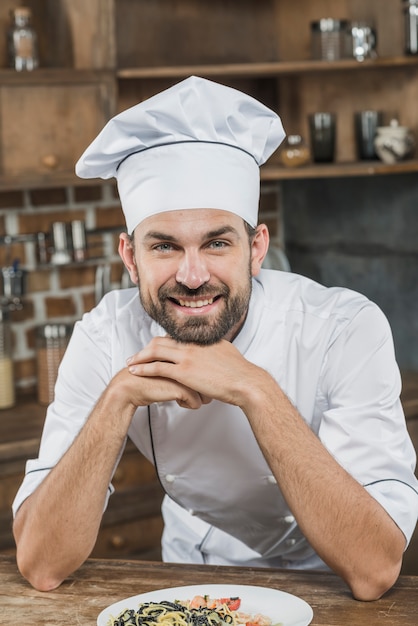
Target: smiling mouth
[{"x": 195, "y": 304}]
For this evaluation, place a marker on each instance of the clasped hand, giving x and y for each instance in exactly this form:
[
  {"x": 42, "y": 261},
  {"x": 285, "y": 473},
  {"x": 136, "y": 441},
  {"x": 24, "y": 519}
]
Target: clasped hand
[{"x": 197, "y": 374}]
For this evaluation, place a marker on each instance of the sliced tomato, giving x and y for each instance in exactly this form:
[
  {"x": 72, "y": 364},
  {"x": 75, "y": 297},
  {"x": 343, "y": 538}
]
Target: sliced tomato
[{"x": 233, "y": 604}]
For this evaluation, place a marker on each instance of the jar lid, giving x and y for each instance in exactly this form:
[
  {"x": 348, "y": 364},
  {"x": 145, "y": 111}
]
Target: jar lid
[
  {"x": 54, "y": 331},
  {"x": 327, "y": 25},
  {"x": 22, "y": 12}
]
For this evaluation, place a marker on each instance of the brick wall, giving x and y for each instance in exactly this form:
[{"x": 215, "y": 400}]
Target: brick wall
[
  {"x": 63, "y": 293},
  {"x": 55, "y": 293}
]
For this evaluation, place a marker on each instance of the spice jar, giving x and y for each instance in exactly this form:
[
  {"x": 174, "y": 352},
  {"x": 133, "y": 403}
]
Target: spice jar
[
  {"x": 294, "y": 152},
  {"x": 7, "y": 388},
  {"x": 51, "y": 343}
]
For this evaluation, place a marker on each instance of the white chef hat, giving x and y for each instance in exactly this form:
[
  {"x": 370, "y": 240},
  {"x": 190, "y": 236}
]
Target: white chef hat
[{"x": 195, "y": 145}]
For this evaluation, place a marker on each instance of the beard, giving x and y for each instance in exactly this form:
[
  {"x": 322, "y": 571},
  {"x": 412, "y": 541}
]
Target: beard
[{"x": 203, "y": 330}]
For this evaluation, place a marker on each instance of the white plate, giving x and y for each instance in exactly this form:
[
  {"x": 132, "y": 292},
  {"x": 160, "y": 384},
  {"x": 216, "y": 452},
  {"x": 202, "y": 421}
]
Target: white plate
[{"x": 281, "y": 607}]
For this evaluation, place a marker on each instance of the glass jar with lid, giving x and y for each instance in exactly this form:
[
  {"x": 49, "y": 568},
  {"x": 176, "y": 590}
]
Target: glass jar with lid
[{"x": 329, "y": 39}]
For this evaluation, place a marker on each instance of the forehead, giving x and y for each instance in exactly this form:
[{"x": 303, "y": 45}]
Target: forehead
[{"x": 190, "y": 222}]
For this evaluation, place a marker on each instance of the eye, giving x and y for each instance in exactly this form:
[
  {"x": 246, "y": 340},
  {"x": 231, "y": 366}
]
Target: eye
[
  {"x": 163, "y": 247},
  {"x": 217, "y": 244}
]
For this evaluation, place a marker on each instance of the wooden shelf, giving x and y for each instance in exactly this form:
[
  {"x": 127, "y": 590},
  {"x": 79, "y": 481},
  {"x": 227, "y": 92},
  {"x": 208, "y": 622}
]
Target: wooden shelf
[
  {"x": 269, "y": 172},
  {"x": 48, "y": 180},
  {"x": 273, "y": 172},
  {"x": 55, "y": 76},
  {"x": 278, "y": 68}
]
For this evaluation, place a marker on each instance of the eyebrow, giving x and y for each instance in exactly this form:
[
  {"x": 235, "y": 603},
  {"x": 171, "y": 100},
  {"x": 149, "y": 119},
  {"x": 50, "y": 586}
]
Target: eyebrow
[
  {"x": 157, "y": 235},
  {"x": 154, "y": 234}
]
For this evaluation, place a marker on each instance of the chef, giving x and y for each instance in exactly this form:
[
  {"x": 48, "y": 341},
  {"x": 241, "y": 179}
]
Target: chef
[{"x": 269, "y": 404}]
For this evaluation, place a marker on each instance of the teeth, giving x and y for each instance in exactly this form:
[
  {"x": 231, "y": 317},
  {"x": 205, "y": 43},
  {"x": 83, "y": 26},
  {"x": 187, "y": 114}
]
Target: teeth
[{"x": 195, "y": 304}]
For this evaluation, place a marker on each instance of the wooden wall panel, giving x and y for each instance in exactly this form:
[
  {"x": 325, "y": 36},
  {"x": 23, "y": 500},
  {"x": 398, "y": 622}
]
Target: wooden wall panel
[
  {"x": 132, "y": 92},
  {"x": 181, "y": 32},
  {"x": 46, "y": 128}
]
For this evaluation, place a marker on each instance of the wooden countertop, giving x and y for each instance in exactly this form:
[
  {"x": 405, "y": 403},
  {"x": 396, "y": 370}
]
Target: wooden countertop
[{"x": 99, "y": 583}]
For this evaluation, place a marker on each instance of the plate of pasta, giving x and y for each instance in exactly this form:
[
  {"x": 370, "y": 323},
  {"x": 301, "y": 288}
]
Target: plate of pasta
[{"x": 209, "y": 605}]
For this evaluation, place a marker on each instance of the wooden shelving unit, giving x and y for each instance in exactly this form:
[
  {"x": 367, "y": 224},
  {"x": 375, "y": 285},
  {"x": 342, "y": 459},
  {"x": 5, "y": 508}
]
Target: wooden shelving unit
[
  {"x": 272, "y": 172},
  {"x": 265, "y": 49},
  {"x": 47, "y": 116},
  {"x": 93, "y": 64},
  {"x": 262, "y": 70},
  {"x": 48, "y": 180},
  {"x": 55, "y": 76}
]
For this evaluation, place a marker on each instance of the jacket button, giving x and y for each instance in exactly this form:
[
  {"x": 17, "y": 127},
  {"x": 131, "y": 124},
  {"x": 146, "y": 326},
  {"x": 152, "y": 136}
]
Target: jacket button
[
  {"x": 272, "y": 480},
  {"x": 289, "y": 519},
  {"x": 170, "y": 478}
]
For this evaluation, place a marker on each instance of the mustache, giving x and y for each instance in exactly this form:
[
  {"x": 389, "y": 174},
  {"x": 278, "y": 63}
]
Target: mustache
[{"x": 181, "y": 291}]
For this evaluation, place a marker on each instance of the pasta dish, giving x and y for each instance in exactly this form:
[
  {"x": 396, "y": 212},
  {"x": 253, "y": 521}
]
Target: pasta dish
[{"x": 200, "y": 611}]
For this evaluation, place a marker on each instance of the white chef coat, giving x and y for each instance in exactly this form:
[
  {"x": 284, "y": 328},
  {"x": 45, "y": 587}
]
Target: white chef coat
[{"x": 331, "y": 351}]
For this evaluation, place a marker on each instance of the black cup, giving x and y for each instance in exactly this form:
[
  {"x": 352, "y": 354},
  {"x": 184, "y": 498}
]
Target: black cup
[
  {"x": 322, "y": 133},
  {"x": 365, "y": 124}
]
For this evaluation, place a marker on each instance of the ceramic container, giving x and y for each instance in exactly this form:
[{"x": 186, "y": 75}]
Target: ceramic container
[{"x": 394, "y": 143}]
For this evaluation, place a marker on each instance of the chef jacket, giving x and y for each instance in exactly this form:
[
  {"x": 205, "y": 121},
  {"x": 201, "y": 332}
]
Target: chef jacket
[{"x": 329, "y": 349}]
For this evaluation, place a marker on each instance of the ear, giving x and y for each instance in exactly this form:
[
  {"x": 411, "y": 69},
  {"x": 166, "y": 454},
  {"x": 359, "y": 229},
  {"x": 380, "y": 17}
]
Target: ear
[
  {"x": 127, "y": 254},
  {"x": 259, "y": 247}
]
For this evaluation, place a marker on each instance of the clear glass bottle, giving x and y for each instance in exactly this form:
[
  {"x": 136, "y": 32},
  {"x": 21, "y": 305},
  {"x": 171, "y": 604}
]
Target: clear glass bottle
[
  {"x": 51, "y": 343},
  {"x": 22, "y": 41},
  {"x": 7, "y": 387},
  {"x": 410, "y": 9}
]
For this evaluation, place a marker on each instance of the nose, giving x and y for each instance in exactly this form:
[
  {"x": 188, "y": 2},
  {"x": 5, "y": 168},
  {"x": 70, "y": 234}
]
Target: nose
[{"x": 192, "y": 271}]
